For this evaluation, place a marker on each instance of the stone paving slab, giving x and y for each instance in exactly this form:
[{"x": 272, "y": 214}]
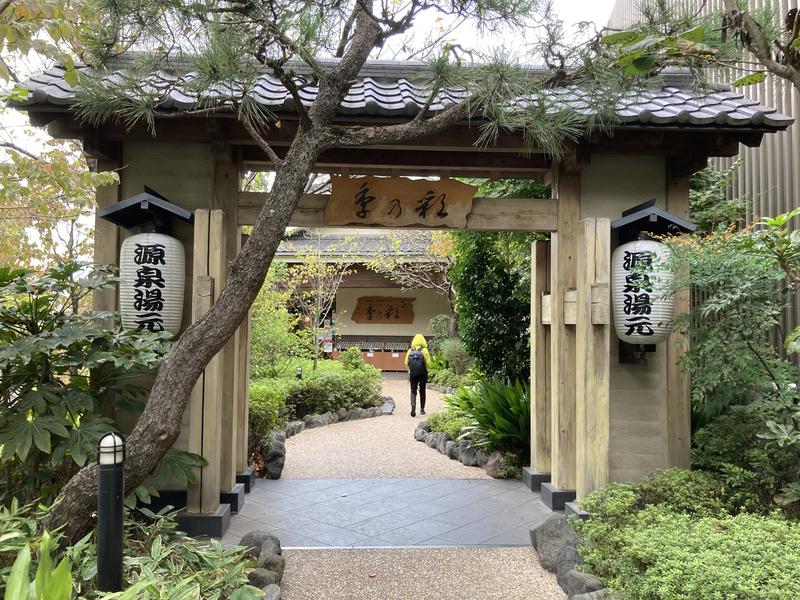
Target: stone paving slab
[
  {"x": 417, "y": 574},
  {"x": 353, "y": 513}
]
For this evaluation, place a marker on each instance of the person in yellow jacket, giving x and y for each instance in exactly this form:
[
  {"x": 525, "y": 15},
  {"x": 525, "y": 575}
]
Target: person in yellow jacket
[{"x": 417, "y": 360}]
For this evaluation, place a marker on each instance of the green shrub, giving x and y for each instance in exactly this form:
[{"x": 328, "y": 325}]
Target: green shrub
[
  {"x": 510, "y": 466},
  {"x": 446, "y": 378},
  {"x": 693, "y": 492},
  {"x": 329, "y": 391},
  {"x": 450, "y": 422},
  {"x": 352, "y": 359},
  {"x": 501, "y": 415},
  {"x": 660, "y": 553},
  {"x": 458, "y": 361}
]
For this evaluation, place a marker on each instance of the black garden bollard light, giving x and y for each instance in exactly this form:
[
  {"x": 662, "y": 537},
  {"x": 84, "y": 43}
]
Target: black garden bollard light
[{"x": 110, "y": 495}]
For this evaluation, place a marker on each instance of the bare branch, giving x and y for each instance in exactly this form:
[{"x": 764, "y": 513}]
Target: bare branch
[
  {"x": 262, "y": 143},
  {"x": 16, "y": 148}
]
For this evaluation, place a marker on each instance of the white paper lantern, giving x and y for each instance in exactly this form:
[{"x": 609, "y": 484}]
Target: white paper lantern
[
  {"x": 642, "y": 313},
  {"x": 151, "y": 269}
]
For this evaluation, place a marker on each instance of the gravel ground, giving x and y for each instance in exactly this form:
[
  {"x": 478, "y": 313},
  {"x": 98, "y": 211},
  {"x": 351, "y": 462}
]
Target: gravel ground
[
  {"x": 411, "y": 574},
  {"x": 376, "y": 447}
]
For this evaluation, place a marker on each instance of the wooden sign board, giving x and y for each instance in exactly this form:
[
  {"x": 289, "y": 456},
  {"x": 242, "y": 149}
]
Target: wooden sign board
[
  {"x": 399, "y": 202},
  {"x": 383, "y": 310}
]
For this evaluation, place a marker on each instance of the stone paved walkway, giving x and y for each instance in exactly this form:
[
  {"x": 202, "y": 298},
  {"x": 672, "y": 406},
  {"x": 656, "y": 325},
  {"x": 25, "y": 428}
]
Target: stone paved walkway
[{"x": 347, "y": 513}]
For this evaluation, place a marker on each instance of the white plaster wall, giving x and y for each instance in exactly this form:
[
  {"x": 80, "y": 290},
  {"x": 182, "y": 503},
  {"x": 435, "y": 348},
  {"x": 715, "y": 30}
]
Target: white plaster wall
[
  {"x": 427, "y": 304},
  {"x": 638, "y": 394}
]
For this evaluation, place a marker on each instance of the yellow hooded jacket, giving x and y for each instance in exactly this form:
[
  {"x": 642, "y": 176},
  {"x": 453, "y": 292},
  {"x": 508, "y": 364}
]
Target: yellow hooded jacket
[{"x": 419, "y": 343}]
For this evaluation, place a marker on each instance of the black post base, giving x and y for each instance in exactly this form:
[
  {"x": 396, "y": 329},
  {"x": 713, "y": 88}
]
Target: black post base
[
  {"x": 234, "y": 497},
  {"x": 572, "y": 509},
  {"x": 205, "y": 524},
  {"x": 533, "y": 480},
  {"x": 248, "y": 478},
  {"x": 554, "y": 498}
]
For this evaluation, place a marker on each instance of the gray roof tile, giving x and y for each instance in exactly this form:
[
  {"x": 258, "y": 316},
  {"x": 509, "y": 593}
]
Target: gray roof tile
[{"x": 386, "y": 89}]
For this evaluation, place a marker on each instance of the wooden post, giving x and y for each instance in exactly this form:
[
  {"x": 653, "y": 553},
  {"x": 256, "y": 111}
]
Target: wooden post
[
  {"x": 563, "y": 273},
  {"x": 593, "y": 355},
  {"x": 106, "y": 240},
  {"x": 679, "y": 416},
  {"x": 242, "y": 395},
  {"x": 202, "y": 299},
  {"x": 226, "y": 199},
  {"x": 540, "y": 360}
]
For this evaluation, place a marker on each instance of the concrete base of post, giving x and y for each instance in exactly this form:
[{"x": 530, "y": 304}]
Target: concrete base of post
[
  {"x": 533, "y": 480},
  {"x": 234, "y": 497},
  {"x": 248, "y": 478},
  {"x": 554, "y": 498},
  {"x": 209, "y": 524}
]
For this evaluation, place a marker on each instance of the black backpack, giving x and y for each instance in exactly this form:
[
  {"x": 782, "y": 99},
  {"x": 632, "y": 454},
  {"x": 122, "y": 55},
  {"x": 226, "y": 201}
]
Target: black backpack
[{"x": 416, "y": 363}]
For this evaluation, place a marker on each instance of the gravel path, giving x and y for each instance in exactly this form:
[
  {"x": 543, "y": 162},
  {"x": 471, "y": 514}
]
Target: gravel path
[
  {"x": 429, "y": 574},
  {"x": 376, "y": 447}
]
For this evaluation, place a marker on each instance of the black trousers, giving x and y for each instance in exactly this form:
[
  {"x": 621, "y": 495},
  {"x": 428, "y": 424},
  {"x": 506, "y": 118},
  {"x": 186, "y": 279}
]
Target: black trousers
[{"x": 418, "y": 382}]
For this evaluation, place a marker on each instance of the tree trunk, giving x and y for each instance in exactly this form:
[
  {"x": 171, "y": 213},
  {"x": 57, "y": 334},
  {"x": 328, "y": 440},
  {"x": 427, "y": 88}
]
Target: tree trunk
[{"x": 159, "y": 425}]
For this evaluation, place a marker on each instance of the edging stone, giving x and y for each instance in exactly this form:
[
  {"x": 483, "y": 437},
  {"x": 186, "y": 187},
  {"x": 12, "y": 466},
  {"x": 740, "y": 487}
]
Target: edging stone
[
  {"x": 270, "y": 564},
  {"x": 556, "y": 543},
  {"x": 461, "y": 451}
]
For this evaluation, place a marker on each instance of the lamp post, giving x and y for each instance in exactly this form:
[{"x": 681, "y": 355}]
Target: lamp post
[{"x": 110, "y": 493}]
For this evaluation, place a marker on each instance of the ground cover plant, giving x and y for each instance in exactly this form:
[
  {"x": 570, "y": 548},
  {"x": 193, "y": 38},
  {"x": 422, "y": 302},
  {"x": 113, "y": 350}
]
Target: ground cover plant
[
  {"x": 685, "y": 535},
  {"x": 159, "y": 561}
]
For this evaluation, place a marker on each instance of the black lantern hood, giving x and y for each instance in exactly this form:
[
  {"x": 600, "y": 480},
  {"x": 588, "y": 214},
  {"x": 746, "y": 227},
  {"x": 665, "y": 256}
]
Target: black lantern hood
[
  {"x": 648, "y": 218},
  {"x": 147, "y": 208}
]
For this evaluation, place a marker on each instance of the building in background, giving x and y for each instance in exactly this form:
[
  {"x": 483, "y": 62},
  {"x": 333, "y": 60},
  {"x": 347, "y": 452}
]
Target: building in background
[
  {"x": 769, "y": 176},
  {"x": 371, "y": 311}
]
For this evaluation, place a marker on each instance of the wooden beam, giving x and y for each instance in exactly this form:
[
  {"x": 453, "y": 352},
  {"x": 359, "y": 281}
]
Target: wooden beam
[
  {"x": 679, "y": 426},
  {"x": 563, "y": 272},
  {"x": 243, "y": 394},
  {"x": 540, "y": 359},
  {"x": 488, "y": 214},
  {"x": 593, "y": 357}
]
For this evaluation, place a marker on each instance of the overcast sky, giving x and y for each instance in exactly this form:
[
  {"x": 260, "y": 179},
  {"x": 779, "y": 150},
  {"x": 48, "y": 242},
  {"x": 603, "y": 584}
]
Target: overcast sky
[{"x": 575, "y": 11}]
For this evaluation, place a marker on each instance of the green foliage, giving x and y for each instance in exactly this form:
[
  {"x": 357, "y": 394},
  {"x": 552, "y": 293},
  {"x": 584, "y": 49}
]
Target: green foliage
[
  {"x": 442, "y": 326},
  {"x": 450, "y": 422},
  {"x": 500, "y": 414},
  {"x": 446, "y": 378},
  {"x": 681, "y": 534},
  {"x": 710, "y": 207},
  {"x": 267, "y": 404},
  {"x": 741, "y": 449},
  {"x": 276, "y": 334},
  {"x": 59, "y": 371},
  {"x": 510, "y": 466},
  {"x": 330, "y": 391},
  {"x": 352, "y": 360},
  {"x": 49, "y": 583},
  {"x": 456, "y": 356}
]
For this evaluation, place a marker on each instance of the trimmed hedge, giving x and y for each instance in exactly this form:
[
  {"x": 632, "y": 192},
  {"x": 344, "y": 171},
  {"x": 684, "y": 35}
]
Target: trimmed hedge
[{"x": 449, "y": 422}]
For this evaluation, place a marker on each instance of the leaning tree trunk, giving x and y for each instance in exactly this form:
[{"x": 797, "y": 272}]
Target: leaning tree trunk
[{"x": 159, "y": 425}]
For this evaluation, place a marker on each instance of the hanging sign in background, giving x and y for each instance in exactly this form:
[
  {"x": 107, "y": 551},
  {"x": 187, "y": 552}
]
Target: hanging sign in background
[
  {"x": 399, "y": 202},
  {"x": 384, "y": 309}
]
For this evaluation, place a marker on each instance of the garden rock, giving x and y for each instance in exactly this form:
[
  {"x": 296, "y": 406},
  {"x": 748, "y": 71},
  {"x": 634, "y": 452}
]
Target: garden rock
[
  {"x": 469, "y": 455},
  {"x": 557, "y": 544},
  {"x": 313, "y": 421},
  {"x": 603, "y": 594},
  {"x": 388, "y": 405},
  {"x": 278, "y": 436},
  {"x": 493, "y": 464},
  {"x": 333, "y": 416},
  {"x": 424, "y": 426},
  {"x": 575, "y": 582},
  {"x": 294, "y": 427},
  {"x": 274, "y": 459},
  {"x": 261, "y": 578},
  {"x": 432, "y": 439},
  {"x": 342, "y": 414},
  {"x": 353, "y": 415},
  {"x": 256, "y": 541},
  {"x": 453, "y": 450},
  {"x": 441, "y": 446},
  {"x": 272, "y": 562},
  {"x": 481, "y": 459},
  {"x": 419, "y": 434},
  {"x": 272, "y": 592}
]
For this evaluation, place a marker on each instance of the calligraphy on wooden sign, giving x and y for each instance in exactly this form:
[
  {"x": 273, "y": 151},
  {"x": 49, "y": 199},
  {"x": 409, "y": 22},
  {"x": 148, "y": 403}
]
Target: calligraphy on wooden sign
[
  {"x": 383, "y": 310},
  {"x": 399, "y": 202}
]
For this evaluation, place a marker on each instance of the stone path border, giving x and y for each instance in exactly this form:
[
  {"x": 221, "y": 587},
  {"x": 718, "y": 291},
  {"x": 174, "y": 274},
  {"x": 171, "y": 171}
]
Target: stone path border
[{"x": 462, "y": 451}]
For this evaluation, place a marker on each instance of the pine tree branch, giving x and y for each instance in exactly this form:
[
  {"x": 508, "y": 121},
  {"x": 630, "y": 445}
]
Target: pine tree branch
[
  {"x": 262, "y": 143},
  {"x": 759, "y": 46}
]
